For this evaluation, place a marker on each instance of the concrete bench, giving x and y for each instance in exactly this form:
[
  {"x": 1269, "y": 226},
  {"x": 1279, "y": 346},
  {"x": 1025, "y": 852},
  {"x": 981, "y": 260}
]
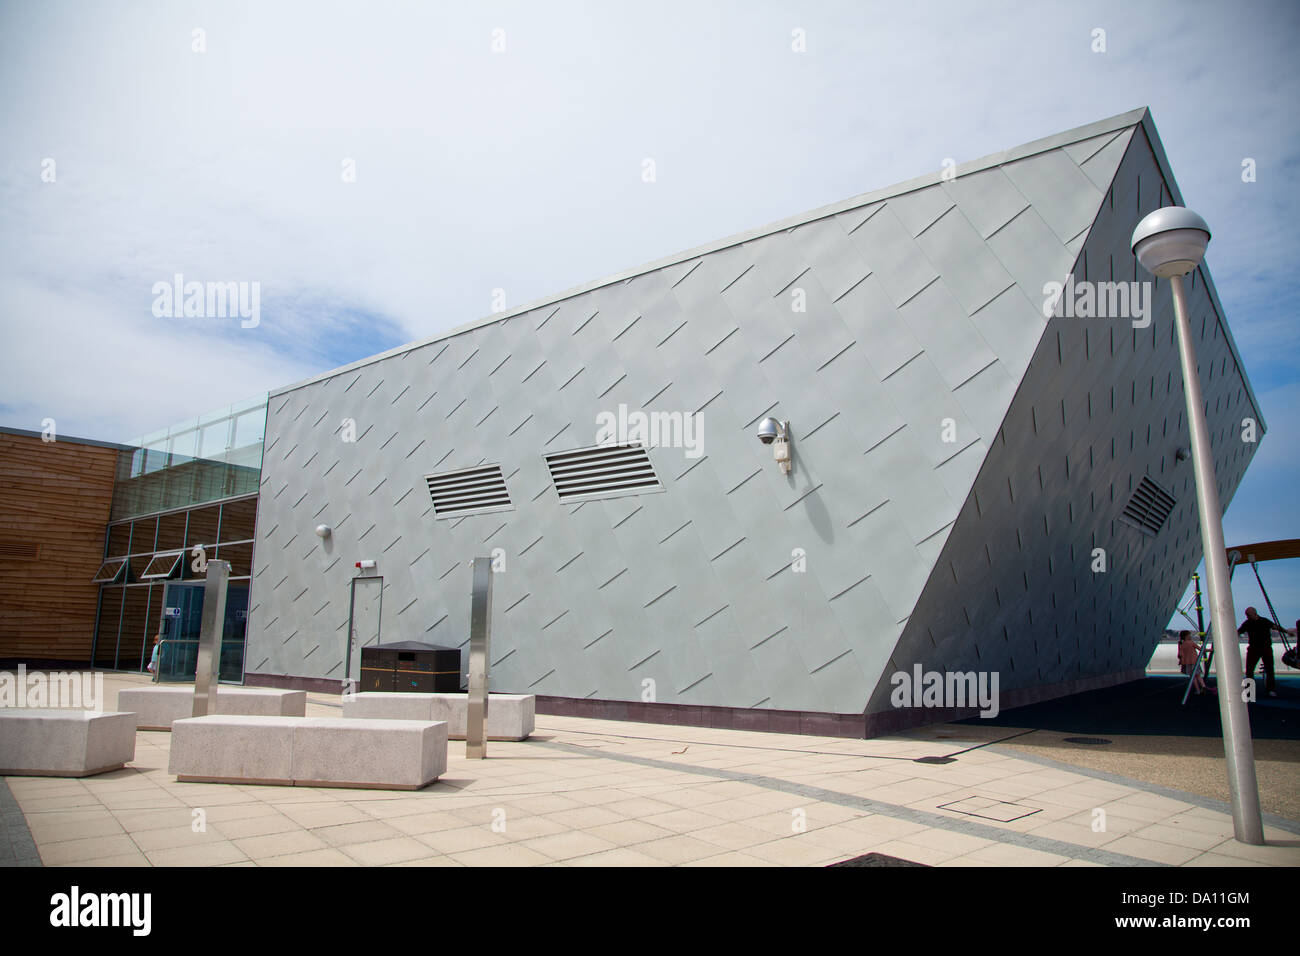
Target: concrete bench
[
  {"x": 510, "y": 716},
  {"x": 64, "y": 743},
  {"x": 309, "y": 751},
  {"x": 158, "y": 707}
]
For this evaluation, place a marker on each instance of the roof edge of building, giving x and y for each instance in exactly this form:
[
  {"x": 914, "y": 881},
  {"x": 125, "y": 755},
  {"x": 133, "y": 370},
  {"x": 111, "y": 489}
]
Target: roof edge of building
[
  {"x": 1162, "y": 161},
  {"x": 1135, "y": 117},
  {"x": 70, "y": 439}
]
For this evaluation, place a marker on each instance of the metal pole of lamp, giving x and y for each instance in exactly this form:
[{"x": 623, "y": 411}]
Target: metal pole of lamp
[{"x": 1170, "y": 243}]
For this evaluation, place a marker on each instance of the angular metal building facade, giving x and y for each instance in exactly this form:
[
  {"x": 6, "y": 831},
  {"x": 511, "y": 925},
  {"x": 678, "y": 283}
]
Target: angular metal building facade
[{"x": 964, "y": 467}]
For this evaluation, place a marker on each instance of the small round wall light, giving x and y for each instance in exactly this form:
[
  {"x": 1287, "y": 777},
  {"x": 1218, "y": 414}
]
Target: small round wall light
[{"x": 323, "y": 531}]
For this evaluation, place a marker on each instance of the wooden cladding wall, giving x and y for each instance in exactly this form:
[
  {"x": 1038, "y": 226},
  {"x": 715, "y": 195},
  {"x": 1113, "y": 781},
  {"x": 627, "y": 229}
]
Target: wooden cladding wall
[{"x": 54, "y": 506}]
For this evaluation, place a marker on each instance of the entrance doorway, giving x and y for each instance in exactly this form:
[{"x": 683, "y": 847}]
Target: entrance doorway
[
  {"x": 181, "y": 620},
  {"x": 366, "y": 609}
]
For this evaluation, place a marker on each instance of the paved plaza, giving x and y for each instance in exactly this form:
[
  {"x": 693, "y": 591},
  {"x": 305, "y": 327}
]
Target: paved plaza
[{"x": 607, "y": 793}]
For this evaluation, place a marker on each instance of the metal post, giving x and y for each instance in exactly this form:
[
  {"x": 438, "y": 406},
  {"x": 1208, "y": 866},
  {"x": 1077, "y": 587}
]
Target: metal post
[
  {"x": 211, "y": 626},
  {"x": 1248, "y": 826},
  {"x": 480, "y": 634}
]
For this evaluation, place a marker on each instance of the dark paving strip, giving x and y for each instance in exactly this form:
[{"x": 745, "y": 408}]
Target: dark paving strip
[
  {"x": 17, "y": 848},
  {"x": 1208, "y": 803},
  {"x": 994, "y": 834}
]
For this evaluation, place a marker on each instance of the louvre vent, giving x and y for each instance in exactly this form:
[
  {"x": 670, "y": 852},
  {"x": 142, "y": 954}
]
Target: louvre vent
[
  {"x": 19, "y": 549},
  {"x": 469, "y": 491},
  {"x": 605, "y": 471},
  {"x": 1149, "y": 507}
]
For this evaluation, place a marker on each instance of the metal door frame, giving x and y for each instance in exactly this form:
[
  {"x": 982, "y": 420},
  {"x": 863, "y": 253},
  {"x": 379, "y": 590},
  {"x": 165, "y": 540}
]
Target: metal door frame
[{"x": 352, "y": 606}]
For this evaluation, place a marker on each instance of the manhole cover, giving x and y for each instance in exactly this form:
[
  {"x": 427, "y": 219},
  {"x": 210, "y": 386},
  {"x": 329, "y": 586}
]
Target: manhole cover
[
  {"x": 877, "y": 859},
  {"x": 935, "y": 760},
  {"x": 1090, "y": 741}
]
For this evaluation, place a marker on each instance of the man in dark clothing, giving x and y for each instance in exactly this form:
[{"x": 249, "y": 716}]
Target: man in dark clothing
[{"x": 1259, "y": 646}]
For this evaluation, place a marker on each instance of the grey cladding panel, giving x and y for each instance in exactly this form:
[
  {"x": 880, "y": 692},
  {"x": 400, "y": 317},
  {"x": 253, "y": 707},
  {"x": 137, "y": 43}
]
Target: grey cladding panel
[{"x": 908, "y": 321}]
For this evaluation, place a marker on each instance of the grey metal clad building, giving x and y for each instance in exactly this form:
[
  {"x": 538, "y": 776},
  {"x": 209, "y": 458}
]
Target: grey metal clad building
[{"x": 958, "y": 462}]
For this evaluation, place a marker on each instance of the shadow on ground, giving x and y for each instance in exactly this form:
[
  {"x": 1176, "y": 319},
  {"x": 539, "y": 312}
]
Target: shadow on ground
[{"x": 1151, "y": 707}]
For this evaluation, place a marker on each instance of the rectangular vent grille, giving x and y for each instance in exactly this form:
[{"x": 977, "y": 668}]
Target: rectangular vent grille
[
  {"x": 468, "y": 491},
  {"x": 1149, "y": 507},
  {"x": 19, "y": 549},
  {"x": 605, "y": 471}
]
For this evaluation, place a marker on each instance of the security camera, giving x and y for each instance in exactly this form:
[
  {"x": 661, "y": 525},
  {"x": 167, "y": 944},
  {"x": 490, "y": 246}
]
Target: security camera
[{"x": 769, "y": 430}]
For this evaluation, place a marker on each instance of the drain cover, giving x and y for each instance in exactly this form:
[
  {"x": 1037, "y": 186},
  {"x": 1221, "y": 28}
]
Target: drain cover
[
  {"x": 877, "y": 859},
  {"x": 935, "y": 760},
  {"x": 1090, "y": 741}
]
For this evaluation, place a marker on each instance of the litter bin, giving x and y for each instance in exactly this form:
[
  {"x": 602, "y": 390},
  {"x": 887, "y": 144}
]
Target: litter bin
[{"x": 410, "y": 666}]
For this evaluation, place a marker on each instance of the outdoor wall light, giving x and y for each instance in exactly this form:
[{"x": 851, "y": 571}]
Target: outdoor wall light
[
  {"x": 776, "y": 433},
  {"x": 323, "y": 531},
  {"x": 1183, "y": 453}
]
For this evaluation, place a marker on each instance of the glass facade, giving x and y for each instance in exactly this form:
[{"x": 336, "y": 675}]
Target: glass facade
[
  {"x": 214, "y": 456},
  {"x": 133, "y": 606},
  {"x": 190, "y": 486}
]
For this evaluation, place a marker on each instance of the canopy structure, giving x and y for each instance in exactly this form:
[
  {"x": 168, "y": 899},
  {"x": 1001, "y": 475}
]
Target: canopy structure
[{"x": 1267, "y": 550}]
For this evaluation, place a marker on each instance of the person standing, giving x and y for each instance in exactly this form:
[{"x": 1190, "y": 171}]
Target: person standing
[
  {"x": 1259, "y": 646},
  {"x": 153, "y": 659},
  {"x": 1189, "y": 653}
]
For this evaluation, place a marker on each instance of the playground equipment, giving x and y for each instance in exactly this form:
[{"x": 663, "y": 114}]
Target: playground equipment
[{"x": 1253, "y": 555}]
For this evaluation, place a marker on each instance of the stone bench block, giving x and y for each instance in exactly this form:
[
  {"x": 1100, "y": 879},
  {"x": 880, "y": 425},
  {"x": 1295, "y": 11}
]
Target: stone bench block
[
  {"x": 64, "y": 743},
  {"x": 230, "y": 748},
  {"x": 392, "y": 754},
  {"x": 309, "y": 751},
  {"x": 510, "y": 716},
  {"x": 158, "y": 707}
]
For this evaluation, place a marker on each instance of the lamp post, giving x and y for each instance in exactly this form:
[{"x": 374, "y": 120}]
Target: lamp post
[{"x": 1170, "y": 243}]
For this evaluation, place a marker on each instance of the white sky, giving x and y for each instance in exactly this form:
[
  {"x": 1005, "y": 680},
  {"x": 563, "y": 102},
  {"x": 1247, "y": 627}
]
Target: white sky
[{"x": 521, "y": 169}]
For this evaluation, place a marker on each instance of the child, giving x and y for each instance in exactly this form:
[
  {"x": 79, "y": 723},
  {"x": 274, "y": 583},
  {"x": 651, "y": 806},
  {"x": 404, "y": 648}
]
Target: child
[
  {"x": 1188, "y": 652},
  {"x": 153, "y": 661}
]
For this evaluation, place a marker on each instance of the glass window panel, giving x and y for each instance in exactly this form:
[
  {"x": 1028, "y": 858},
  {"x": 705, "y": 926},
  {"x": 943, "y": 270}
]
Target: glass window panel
[
  {"x": 180, "y": 487},
  {"x": 144, "y": 536},
  {"x": 237, "y": 520},
  {"x": 215, "y": 439},
  {"x": 234, "y": 633},
  {"x": 155, "y": 457},
  {"x": 185, "y": 447},
  {"x": 240, "y": 557},
  {"x": 110, "y": 614},
  {"x": 135, "y": 622},
  {"x": 162, "y": 566},
  {"x": 249, "y": 428},
  {"x": 171, "y": 531},
  {"x": 119, "y": 536},
  {"x": 136, "y": 565},
  {"x": 203, "y": 527},
  {"x": 109, "y": 571}
]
